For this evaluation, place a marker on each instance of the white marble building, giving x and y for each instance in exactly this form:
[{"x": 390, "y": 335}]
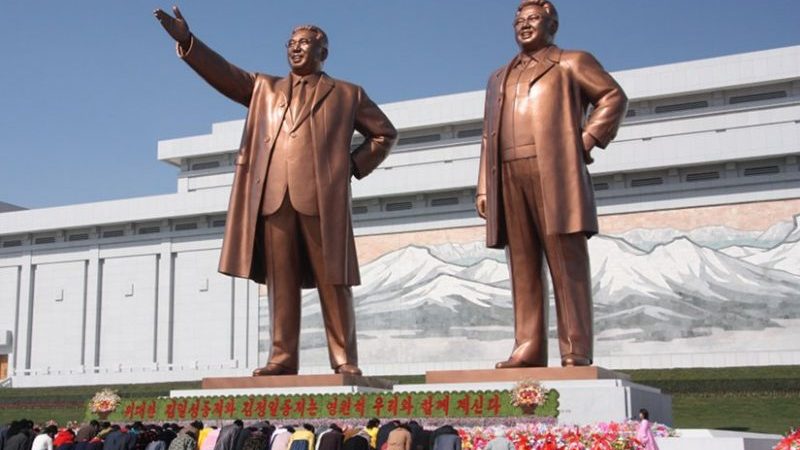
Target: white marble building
[{"x": 127, "y": 291}]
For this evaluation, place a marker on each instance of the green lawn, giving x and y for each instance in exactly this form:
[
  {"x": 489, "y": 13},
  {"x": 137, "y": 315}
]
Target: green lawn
[
  {"x": 756, "y": 399},
  {"x": 762, "y": 413}
]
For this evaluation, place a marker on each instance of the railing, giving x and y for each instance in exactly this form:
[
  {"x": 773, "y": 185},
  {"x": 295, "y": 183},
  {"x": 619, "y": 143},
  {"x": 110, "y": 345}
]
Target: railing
[{"x": 192, "y": 366}]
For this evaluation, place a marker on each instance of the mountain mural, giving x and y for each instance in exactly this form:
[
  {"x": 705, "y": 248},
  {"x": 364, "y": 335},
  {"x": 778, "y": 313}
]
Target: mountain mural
[
  {"x": 654, "y": 285},
  {"x": 716, "y": 237}
]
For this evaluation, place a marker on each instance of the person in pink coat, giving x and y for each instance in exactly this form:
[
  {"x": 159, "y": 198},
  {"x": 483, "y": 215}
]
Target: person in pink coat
[
  {"x": 644, "y": 434},
  {"x": 210, "y": 440}
]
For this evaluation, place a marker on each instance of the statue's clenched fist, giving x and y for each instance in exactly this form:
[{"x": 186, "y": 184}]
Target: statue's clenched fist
[{"x": 480, "y": 205}]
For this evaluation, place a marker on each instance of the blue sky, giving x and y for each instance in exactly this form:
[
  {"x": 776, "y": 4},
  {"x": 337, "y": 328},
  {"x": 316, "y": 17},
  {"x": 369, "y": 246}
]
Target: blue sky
[{"x": 88, "y": 88}]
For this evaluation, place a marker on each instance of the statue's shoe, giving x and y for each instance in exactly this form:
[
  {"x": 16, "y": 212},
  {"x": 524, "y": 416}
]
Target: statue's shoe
[
  {"x": 575, "y": 361},
  {"x": 512, "y": 363},
  {"x": 271, "y": 370},
  {"x": 348, "y": 369}
]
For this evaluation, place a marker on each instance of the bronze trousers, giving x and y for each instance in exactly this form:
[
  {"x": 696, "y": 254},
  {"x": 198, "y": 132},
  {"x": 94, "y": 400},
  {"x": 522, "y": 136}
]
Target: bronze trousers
[
  {"x": 293, "y": 241},
  {"x": 568, "y": 260}
]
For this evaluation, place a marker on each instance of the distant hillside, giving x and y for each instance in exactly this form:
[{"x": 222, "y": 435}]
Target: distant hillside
[{"x": 6, "y": 207}]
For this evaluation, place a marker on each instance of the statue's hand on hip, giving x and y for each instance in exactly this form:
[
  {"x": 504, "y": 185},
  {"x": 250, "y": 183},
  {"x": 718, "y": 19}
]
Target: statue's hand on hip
[
  {"x": 589, "y": 142},
  {"x": 176, "y": 27}
]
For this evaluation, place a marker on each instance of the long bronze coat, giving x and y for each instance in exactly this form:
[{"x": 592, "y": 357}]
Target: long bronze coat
[
  {"x": 565, "y": 83},
  {"x": 338, "y": 109}
]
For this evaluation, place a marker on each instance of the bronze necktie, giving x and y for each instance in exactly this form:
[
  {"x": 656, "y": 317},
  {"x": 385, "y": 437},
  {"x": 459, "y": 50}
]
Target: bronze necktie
[{"x": 300, "y": 100}]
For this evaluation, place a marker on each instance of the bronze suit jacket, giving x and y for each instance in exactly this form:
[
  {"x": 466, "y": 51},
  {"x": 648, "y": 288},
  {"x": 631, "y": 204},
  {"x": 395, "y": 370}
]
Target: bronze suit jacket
[
  {"x": 564, "y": 84},
  {"x": 338, "y": 108}
]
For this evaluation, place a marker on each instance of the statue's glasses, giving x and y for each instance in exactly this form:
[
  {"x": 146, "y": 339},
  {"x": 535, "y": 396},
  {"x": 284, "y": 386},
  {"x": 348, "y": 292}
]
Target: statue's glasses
[{"x": 301, "y": 42}]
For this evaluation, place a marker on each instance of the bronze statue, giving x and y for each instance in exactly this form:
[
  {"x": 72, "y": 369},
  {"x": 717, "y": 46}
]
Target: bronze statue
[
  {"x": 534, "y": 189},
  {"x": 289, "y": 221}
]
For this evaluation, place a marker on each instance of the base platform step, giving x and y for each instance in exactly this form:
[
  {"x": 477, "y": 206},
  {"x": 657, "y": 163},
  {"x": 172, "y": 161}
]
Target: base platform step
[
  {"x": 536, "y": 373},
  {"x": 284, "y": 381}
]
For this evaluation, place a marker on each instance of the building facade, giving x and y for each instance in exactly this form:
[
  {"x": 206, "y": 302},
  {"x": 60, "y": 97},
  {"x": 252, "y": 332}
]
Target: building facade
[{"x": 697, "y": 263}]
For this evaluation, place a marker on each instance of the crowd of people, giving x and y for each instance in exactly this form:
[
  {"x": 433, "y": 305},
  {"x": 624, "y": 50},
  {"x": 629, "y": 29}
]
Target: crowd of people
[{"x": 95, "y": 435}]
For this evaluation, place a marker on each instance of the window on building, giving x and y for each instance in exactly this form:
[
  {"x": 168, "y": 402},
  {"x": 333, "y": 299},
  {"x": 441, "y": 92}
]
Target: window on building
[
  {"x": 630, "y": 113},
  {"x": 414, "y": 140},
  {"x": 360, "y": 209},
  {"x": 650, "y": 181},
  {"x": 444, "y": 201},
  {"x": 78, "y": 237},
  {"x": 113, "y": 233},
  {"x": 757, "y": 97},
  {"x": 151, "y": 229},
  {"x": 14, "y": 243},
  {"x": 185, "y": 226},
  {"x": 398, "y": 206},
  {"x": 218, "y": 223},
  {"x": 205, "y": 165},
  {"x": 601, "y": 186},
  {"x": 474, "y": 132},
  {"x": 44, "y": 240},
  {"x": 681, "y": 106},
  {"x": 356, "y": 142},
  {"x": 762, "y": 170},
  {"x": 702, "y": 176}
]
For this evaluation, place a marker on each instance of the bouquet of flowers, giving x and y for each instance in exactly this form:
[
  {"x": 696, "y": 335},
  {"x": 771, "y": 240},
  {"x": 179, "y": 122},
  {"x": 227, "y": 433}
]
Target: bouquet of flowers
[
  {"x": 790, "y": 442},
  {"x": 104, "y": 401},
  {"x": 527, "y": 394},
  {"x": 548, "y": 436}
]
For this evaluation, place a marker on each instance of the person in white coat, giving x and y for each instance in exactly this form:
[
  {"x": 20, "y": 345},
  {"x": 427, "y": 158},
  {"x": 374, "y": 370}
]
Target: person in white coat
[{"x": 44, "y": 441}]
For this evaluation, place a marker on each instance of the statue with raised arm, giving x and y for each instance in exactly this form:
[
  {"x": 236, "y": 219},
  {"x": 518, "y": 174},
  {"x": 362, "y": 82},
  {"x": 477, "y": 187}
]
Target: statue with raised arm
[
  {"x": 534, "y": 189},
  {"x": 289, "y": 221}
]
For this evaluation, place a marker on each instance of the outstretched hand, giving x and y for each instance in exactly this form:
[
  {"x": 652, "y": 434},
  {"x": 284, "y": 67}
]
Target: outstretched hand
[{"x": 176, "y": 26}]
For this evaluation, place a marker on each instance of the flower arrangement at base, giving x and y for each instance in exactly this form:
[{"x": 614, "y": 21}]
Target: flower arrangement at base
[
  {"x": 104, "y": 402},
  {"x": 790, "y": 441},
  {"x": 527, "y": 395},
  {"x": 548, "y": 436}
]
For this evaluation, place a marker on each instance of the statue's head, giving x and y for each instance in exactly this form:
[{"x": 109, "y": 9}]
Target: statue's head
[
  {"x": 535, "y": 24},
  {"x": 307, "y": 49}
]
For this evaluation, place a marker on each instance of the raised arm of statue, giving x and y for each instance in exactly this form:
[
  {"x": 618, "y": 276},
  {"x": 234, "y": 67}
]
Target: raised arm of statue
[{"x": 229, "y": 80}]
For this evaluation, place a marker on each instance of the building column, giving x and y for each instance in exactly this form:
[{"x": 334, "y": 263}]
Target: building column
[
  {"x": 164, "y": 306},
  {"x": 94, "y": 286},
  {"x": 239, "y": 324},
  {"x": 22, "y": 353},
  {"x": 252, "y": 324}
]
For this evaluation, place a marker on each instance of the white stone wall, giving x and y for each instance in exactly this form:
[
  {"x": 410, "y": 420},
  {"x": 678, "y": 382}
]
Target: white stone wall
[
  {"x": 109, "y": 313},
  {"x": 204, "y": 309},
  {"x": 9, "y": 281},
  {"x": 57, "y": 318},
  {"x": 128, "y": 311}
]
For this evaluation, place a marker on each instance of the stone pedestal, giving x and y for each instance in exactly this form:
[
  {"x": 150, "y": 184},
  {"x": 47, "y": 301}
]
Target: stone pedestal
[
  {"x": 581, "y": 402},
  {"x": 586, "y": 394},
  {"x": 536, "y": 373},
  {"x": 285, "y": 381},
  {"x": 286, "y": 385},
  {"x": 702, "y": 439}
]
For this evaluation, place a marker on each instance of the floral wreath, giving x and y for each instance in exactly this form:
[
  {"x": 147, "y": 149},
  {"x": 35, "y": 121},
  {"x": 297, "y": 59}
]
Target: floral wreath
[
  {"x": 104, "y": 401},
  {"x": 528, "y": 393}
]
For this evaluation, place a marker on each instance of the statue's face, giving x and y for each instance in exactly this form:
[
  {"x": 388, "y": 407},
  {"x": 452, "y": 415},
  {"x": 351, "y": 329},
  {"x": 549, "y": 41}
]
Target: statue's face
[
  {"x": 533, "y": 28},
  {"x": 305, "y": 52}
]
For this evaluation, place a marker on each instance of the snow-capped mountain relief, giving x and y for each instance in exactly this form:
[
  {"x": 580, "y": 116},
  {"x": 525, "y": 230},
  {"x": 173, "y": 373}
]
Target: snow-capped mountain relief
[{"x": 648, "y": 285}]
